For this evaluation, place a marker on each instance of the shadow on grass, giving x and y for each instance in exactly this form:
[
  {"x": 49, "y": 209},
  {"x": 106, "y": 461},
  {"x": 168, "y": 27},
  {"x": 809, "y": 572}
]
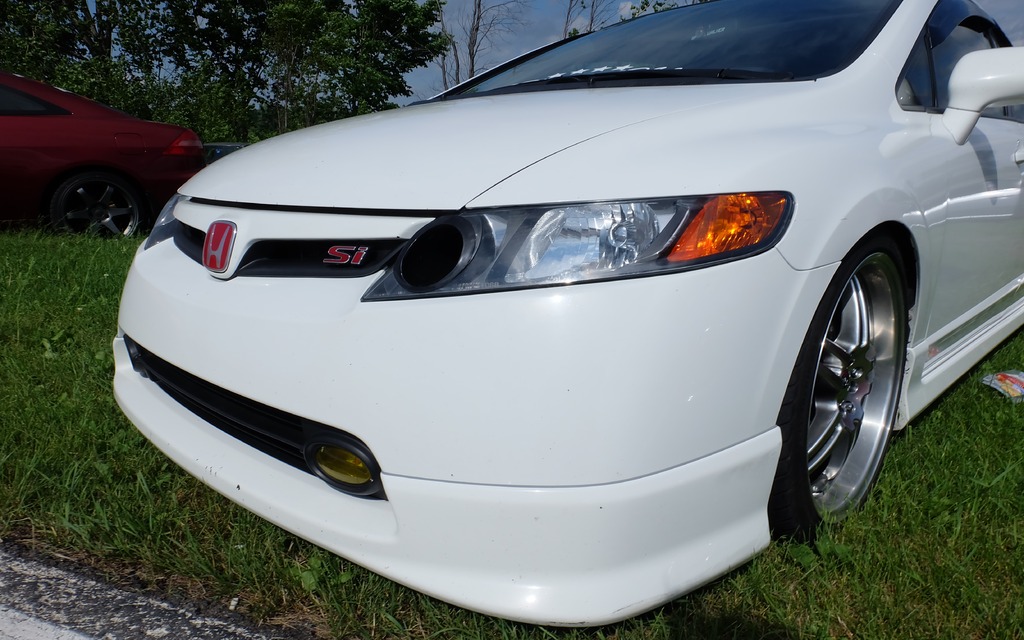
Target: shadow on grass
[
  {"x": 705, "y": 614},
  {"x": 690, "y": 620}
]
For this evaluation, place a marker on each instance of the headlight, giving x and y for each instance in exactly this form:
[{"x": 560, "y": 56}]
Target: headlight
[
  {"x": 163, "y": 228},
  {"x": 490, "y": 250}
]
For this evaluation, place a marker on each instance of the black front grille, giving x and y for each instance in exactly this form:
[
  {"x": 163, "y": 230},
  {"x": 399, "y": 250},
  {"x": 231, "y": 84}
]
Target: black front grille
[
  {"x": 189, "y": 240},
  {"x": 344, "y": 258},
  {"x": 274, "y": 432}
]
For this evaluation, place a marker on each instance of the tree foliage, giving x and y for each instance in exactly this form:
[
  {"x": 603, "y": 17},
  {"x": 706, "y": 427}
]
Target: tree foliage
[
  {"x": 231, "y": 70},
  {"x": 654, "y": 6}
]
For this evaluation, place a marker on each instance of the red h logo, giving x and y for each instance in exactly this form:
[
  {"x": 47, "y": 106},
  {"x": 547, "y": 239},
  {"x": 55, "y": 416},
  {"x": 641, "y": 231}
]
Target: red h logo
[{"x": 220, "y": 238}]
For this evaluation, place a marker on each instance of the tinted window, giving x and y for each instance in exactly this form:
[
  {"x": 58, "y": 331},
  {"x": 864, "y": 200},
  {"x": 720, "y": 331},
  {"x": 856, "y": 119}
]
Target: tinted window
[
  {"x": 16, "y": 103},
  {"x": 747, "y": 39},
  {"x": 915, "y": 89}
]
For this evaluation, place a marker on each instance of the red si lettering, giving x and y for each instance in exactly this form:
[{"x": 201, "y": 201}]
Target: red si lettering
[{"x": 340, "y": 255}]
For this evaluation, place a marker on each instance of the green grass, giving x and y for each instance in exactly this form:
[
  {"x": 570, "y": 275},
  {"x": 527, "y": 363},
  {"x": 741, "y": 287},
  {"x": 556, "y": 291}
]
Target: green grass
[{"x": 938, "y": 551}]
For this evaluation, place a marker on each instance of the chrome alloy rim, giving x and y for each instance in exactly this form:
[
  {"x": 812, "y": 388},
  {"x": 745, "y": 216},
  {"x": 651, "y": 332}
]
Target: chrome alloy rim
[{"x": 856, "y": 387}]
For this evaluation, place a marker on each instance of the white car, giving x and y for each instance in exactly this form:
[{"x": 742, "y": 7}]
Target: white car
[{"x": 578, "y": 336}]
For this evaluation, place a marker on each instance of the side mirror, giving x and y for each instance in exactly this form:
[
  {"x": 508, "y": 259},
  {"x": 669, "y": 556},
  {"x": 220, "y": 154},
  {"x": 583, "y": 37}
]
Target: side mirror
[{"x": 982, "y": 79}]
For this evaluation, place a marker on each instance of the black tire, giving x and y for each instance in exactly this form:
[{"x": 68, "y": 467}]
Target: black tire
[
  {"x": 97, "y": 202},
  {"x": 842, "y": 400}
]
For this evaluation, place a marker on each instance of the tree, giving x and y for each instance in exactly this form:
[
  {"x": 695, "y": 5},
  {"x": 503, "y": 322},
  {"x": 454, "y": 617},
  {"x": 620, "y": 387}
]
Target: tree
[
  {"x": 231, "y": 70},
  {"x": 329, "y": 60},
  {"x": 300, "y": 46},
  {"x": 388, "y": 38},
  {"x": 35, "y": 37},
  {"x": 654, "y": 6},
  {"x": 220, "y": 45},
  {"x": 599, "y": 13},
  {"x": 573, "y": 11},
  {"x": 471, "y": 33},
  {"x": 650, "y": 6},
  {"x": 100, "y": 49},
  {"x": 582, "y": 16}
]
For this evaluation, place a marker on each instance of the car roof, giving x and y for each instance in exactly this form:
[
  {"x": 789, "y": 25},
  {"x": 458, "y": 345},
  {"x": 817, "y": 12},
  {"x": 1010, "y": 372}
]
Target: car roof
[{"x": 66, "y": 100}]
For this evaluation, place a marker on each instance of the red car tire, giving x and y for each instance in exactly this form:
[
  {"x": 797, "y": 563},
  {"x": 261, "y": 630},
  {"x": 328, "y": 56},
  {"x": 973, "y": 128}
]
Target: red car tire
[{"x": 97, "y": 202}]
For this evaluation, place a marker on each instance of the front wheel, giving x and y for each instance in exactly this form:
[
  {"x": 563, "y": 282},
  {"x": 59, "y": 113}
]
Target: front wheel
[
  {"x": 841, "y": 403},
  {"x": 97, "y": 202}
]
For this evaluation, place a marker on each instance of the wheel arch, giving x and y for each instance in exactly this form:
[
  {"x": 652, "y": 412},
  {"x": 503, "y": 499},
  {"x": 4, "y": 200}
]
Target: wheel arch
[{"x": 909, "y": 259}]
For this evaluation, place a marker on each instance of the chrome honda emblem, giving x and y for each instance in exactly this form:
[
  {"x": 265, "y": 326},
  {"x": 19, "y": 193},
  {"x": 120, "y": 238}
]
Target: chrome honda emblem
[{"x": 220, "y": 238}]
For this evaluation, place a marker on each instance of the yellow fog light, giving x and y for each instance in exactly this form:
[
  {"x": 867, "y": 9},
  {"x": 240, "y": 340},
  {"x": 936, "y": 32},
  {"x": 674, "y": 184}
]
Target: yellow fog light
[
  {"x": 343, "y": 462},
  {"x": 342, "y": 465}
]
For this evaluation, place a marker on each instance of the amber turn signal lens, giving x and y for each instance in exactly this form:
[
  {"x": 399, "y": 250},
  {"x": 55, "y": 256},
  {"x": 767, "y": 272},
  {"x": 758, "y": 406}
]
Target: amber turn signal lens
[
  {"x": 729, "y": 223},
  {"x": 342, "y": 465}
]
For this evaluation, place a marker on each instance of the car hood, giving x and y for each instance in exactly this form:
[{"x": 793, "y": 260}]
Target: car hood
[{"x": 441, "y": 156}]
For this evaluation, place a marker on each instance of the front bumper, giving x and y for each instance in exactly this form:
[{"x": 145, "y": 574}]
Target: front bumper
[
  {"x": 549, "y": 555},
  {"x": 599, "y": 451}
]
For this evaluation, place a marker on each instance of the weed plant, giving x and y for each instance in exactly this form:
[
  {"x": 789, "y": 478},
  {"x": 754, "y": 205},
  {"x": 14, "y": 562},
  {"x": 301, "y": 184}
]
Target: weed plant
[{"x": 937, "y": 552}]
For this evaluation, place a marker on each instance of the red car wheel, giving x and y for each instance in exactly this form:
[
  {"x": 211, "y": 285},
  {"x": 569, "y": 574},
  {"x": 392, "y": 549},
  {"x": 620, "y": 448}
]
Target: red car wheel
[{"x": 97, "y": 202}]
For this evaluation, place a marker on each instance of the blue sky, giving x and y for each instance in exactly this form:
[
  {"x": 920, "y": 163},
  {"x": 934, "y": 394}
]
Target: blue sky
[
  {"x": 543, "y": 19},
  {"x": 1009, "y": 14}
]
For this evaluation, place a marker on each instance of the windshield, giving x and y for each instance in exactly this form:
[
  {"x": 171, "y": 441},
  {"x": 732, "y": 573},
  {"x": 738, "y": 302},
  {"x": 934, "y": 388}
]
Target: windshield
[{"x": 720, "y": 40}]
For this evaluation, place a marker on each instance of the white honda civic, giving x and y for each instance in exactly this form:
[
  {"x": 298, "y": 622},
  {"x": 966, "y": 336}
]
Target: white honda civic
[{"x": 581, "y": 334}]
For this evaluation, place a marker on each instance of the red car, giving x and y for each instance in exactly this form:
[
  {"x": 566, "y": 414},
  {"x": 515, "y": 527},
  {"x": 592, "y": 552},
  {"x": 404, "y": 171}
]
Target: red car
[{"x": 79, "y": 165}]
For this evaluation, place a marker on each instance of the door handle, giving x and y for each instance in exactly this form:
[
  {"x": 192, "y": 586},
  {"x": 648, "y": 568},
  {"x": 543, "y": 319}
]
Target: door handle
[{"x": 1019, "y": 156}]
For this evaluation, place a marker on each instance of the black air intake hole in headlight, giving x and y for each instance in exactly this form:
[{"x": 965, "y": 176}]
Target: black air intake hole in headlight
[{"x": 437, "y": 253}]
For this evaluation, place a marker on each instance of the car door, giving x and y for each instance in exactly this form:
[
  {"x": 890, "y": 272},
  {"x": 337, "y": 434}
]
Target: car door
[
  {"x": 26, "y": 122},
  {"x": 976, "y": 225}
]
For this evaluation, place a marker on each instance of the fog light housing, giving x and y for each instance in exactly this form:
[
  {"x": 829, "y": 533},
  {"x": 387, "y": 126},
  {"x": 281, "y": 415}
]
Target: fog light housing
[
  {"x": 346, "y": 465},
  {"x": 440, "y": 252}
]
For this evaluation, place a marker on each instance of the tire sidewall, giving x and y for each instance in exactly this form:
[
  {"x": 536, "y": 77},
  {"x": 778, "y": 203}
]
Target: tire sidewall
[{"x": 57, "y": 208}]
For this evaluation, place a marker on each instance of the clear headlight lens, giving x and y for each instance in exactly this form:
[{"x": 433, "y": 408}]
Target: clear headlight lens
[
  {"x": 584, "y": 239},
  {"x": 163, "y": 228},
  {"x": 518, "y": 248}
]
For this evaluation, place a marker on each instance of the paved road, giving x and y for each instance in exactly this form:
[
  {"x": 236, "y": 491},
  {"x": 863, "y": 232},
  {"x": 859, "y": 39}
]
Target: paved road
[
  {"x": 15, "y": 625},
  {"x": 41, "y": 602}
]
